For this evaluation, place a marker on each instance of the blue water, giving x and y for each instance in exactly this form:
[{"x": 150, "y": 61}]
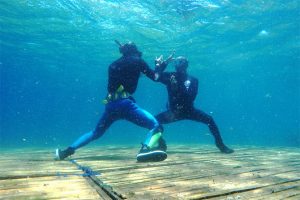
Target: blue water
[{"x": 55, "y": 55}]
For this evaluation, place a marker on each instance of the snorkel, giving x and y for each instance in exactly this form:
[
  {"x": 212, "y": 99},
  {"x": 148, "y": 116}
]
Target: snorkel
[{"x": 118, "y": 43}]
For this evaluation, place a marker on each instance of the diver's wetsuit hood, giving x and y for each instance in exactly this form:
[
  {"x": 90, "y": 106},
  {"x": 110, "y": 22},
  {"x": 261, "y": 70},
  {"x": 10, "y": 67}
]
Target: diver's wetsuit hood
[
  {"x": 130, "y": 49},
  {"x": 181, "y": 65}
]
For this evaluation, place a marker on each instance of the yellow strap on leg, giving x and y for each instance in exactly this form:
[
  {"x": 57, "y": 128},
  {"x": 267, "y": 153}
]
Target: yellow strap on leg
[
  {"x": 154, "y": 140},
  {"x": 107, "y": 99},
  {"x": 120, "y": 88},
  {"x": 120, "y": 93}
]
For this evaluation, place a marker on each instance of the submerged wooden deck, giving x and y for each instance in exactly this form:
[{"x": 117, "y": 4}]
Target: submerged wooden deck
[{"x": 199, "y": 172}]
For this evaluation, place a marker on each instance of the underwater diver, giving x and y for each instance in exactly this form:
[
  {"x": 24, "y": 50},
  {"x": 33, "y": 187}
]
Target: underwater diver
[
  {"x": 123, "y": 78},
  {"x": 182, "y": 91}
]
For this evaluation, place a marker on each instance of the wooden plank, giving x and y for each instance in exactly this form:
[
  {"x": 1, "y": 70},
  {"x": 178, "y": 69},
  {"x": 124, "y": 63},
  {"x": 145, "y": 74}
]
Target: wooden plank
[
  {"x": 279, "y": 191},
  {"x": 198, "y": 172},
  {"x": 33, "y": 174},
  {"x": 273, "y": 191},
  {"x": 185, "y": 169},
  {"x": 293, "y": 197},
  {"x": 135, "y": 178},
  {"x": 71, "y": 187},
  {"x": 115, "y": 165},
  {"x": 30, "y": 162},
  {"x": 215, "y": 182}
]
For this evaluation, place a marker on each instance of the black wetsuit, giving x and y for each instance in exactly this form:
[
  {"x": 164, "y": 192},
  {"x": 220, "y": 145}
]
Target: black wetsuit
[
  {"x": 182, "y": 91},
  {"x": 126, "y": 72}
]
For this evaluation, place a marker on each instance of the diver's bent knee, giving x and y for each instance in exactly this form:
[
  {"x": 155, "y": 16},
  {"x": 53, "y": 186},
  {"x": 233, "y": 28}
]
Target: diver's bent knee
[
  {"x": 96, "y": 134},
  {"x": 158, "y": 128},
  {"x": 210, "y": 120}
]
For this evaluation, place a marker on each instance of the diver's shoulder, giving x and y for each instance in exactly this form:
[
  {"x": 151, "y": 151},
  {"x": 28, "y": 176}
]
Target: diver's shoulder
[
  {"x": 117, "y": 61},
  {"x": 135, "y": 58}
]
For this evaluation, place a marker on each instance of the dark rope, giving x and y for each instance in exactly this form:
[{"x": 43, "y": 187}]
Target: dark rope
[
  {"x": 90, "y": 174},
  {"x": 87, "y": 170}
]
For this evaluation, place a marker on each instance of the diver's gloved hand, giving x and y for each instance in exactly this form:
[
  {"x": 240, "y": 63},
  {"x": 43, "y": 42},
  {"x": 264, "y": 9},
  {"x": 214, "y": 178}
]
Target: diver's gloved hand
[
  {"x": 170, "y": 58},
  {"x": 158, "y": 61},
  {"x": 161, "y": 64}
]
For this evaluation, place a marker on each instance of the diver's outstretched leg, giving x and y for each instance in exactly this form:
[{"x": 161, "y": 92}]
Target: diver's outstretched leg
[
  {"x": 167, "y": 117},
  {"x": 103, "y": 124},
  {"x": 200, "y": 116}
]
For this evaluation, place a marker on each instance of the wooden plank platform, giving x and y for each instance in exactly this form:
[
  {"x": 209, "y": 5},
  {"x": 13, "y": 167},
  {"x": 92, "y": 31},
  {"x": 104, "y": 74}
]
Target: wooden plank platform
[
  {"x": 197, "y": 172},
  {"x": 33, "y": 174}
]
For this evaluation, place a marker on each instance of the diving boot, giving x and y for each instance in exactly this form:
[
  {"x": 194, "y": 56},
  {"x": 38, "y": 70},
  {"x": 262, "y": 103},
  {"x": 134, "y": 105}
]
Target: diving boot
[
  {"x": 151, "y": 155},
  {"x": 61, "y": 155},
  {"x": 161, "y": 145},
  {"x": 224, "y": 149}
]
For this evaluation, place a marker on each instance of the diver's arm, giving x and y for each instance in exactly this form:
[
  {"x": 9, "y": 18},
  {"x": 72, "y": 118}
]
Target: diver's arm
[
  {"x": 155, "y": 75},
  {"x": 145, "y": 69},
  {"x": 164, "y": 77},
  {"x": 112, "y": 79},
  {"x": 160, "y": 66}
]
